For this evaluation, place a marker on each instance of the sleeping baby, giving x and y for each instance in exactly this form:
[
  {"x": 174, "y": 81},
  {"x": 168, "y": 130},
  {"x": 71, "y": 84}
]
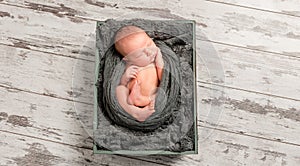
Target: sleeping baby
[{"x": 144, "y": 64}]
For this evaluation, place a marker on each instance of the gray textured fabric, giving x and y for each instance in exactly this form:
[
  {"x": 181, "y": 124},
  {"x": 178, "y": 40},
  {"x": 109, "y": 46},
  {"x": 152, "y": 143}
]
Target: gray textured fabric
[
  {"x": 167, "y": 99},
  {"x": 171, "y": 126}
]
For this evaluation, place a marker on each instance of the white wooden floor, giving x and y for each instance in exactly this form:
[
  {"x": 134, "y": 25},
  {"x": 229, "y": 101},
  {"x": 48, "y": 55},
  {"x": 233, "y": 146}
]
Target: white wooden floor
[{"x": 248, "y": 80}]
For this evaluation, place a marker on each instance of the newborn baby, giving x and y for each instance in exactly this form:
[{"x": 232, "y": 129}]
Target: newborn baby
[{"x": 144, "y": 65}]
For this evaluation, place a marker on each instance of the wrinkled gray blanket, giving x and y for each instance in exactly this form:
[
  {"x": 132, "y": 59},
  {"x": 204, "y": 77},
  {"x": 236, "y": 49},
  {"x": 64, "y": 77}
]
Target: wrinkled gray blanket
[{"x": 171, "y": 126}]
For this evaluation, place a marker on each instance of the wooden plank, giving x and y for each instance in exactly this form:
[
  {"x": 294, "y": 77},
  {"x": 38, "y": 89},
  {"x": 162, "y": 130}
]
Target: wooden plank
[
  {"x": 243, "y": 27},
  {"x": 249, "y": 114},
  {"x": 42, "y": 117},
  {"x": 217, "y": 22},
  {"x": 40, "y": 31},
  {"x": 290, "y": 7},
  {"x": 45, "y": 74},
  {"x": 249, "y": 70},
  {"x": 22, "y": 150}
]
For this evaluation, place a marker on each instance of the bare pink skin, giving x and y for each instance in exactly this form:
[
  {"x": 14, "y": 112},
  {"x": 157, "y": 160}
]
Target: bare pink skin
[{"x": 144, "y": 64}]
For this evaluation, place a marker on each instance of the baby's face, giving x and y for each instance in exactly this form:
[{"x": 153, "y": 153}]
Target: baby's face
[
  {"x": 140, "y": 50},
  {"x": 142, "y": 56}
]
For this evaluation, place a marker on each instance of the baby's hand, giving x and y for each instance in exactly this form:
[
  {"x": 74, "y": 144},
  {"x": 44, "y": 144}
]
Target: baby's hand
[
  {"x": 151, "y": 52},
  {"x": 158, "y": 59},
  {"x": 131, "y": 72}
]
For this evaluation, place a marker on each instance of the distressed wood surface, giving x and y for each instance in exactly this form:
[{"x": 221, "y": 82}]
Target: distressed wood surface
[
  {"x": 265, "y": 72},
  {"x": 39, "y": 128},
  {"x": 278, "y": 6},
  {"x": 219, "y": 22},
  {"x": 46, "y": 74},
  {"x": 35, "y": 30},
  {"x": 248, "y": 72},
  {"x": 54, "y": 71},
  {"x": 34, "y": 151},
  {"x": 42, "y": 120},
  {"x": 250, "y": 114},
  {"x": 219, "y": 149}
]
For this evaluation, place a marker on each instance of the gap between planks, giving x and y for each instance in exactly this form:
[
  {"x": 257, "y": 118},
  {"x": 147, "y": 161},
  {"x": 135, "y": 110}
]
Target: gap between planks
[
  {"x": 244, "y": 134},
  {"x": 42, "y": 94},
  {"x": 252, "y": 49},
  {"x": 253, "y": 8},
  {"x": 212, "y": 1},
  {"x": 250, "y": 91},
  {"x": 55, "y": 54}
]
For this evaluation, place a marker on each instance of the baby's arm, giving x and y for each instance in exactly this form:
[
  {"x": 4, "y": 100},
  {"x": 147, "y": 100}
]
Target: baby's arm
[
  {"x": 159, "y": 63},
  {"x": 131, "y": 72}
]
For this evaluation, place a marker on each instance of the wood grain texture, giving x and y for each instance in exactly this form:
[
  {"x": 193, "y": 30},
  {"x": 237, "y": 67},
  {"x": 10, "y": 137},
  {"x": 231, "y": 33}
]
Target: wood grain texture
[
  {"x": 278, "y": 6},
  {"x": 218, "y": 22},
  {"x": 36, "y": 30},
  {"x": 35, "y": 152},
  {"x": 248, "y": 72},
  {"x": 72, "y": 79},
  {"x": 249, "y": 114},
  {"x": 42, "y": 117},
  {"x": 53, "y": 131},
  {"x": 219, "y": 148},
  {"x": 243, "y": 27},
  {"x": 56, "y": 80},
  {"x": 239, "y": 113},
  {"x": 45, "y": 74}
]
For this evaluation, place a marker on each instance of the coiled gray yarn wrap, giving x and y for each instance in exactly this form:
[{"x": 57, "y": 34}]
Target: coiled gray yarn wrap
[{"x": 168, "y": 96}]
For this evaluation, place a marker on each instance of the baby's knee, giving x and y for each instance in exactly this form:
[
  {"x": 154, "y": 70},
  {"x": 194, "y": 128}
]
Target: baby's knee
[{"x": 122, "y": 91}]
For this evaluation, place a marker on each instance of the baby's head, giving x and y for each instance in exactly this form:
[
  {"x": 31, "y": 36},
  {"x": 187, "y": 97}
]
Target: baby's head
[{"x": 135, "y": 45}]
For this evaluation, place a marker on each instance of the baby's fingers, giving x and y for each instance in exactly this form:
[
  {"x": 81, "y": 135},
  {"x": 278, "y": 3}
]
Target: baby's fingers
[
  {"x": 132, "y": 75},
  {"x": 134, "y": 67},
  {"x": 135, "y": 72}
]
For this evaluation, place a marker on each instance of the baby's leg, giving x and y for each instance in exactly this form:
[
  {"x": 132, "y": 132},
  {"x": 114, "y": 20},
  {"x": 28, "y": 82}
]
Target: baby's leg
[
  {"x": 122, "y": 93},
  {"x": 137, "y": 98},
  {"x": 141, "y": 114}
]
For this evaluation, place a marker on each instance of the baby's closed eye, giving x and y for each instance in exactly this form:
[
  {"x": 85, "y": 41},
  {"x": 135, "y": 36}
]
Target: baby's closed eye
[{"x": 149, "y": 52}]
